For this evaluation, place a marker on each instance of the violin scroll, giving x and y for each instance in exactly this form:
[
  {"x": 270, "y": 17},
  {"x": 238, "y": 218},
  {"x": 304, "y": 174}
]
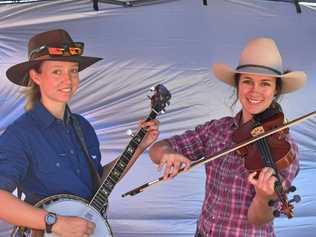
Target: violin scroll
[{"x": 287, "y": 207}]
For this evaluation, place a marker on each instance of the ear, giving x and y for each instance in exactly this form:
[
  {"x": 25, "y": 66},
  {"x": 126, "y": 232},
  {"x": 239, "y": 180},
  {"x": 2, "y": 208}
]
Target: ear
[{"x": 34, "y": 76}]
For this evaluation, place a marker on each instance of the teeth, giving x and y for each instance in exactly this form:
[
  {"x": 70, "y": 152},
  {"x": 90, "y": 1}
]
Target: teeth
[
  {"x": 254, "y": 101},
  {"x": 65, "y": 90}
]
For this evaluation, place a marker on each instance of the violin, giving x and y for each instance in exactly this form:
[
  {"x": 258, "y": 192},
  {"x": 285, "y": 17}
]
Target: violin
[{"x": 273, "y": 151}]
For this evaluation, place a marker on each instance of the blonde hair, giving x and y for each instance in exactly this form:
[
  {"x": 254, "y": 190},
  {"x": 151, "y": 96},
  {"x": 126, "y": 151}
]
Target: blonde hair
[{"x": 32, "y": 93}]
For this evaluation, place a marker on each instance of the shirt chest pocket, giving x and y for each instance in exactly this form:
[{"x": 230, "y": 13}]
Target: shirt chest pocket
[{"x": 52, "y": 162}]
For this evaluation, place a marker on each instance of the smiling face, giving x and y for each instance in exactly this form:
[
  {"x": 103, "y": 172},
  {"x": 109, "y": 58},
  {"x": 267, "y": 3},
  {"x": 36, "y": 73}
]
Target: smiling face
[
  {"x": 255, "y": 93},
  {"x": 58, "y": 81}
]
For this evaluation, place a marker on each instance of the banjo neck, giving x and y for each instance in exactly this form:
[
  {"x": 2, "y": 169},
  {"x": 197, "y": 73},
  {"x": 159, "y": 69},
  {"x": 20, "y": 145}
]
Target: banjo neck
[
  {"x": 100, "y": 200},
  {"x": 159, "y": 100}
]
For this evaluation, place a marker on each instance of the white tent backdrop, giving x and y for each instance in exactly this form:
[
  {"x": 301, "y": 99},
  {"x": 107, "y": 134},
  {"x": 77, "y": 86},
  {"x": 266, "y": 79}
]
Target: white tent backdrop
[{"x": 173, "y": 43}]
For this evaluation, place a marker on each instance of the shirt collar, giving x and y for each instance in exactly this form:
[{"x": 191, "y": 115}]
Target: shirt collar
[{"x": 45, "y": 117}]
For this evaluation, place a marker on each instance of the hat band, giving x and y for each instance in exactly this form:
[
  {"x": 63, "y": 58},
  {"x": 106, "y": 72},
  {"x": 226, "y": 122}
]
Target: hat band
[
  {"x": 45, "y": 57},
  {"x": 275, "y": 71},
  {"x": 70, "y": 49},
  {"x": 41, "y": 58}
]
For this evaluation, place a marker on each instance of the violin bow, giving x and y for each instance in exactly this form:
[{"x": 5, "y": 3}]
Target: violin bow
[{"x": 224, "y": 152}]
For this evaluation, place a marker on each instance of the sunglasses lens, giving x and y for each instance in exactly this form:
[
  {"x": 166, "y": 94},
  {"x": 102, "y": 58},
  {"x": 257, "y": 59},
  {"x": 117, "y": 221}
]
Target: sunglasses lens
[
  {"x": 75, "y": 51},
  {"x": 56, "y": 51}
]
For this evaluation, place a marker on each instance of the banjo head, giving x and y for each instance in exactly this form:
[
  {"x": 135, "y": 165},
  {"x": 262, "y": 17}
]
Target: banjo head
[{"x": 70, "y": 205}]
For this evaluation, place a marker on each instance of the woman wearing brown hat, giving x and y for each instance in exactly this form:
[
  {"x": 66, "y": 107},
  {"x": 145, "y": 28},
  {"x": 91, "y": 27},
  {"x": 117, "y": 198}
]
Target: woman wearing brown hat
[
  {"x": 236, "y": 202},
  {"x": 40, "y": 152}
]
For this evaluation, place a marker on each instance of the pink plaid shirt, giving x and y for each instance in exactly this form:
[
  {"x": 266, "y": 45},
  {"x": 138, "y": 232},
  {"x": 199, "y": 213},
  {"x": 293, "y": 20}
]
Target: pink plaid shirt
[{"x": 228, "y": 193}]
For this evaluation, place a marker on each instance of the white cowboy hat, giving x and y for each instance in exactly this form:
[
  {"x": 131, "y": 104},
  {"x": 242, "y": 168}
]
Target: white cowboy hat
[{"x": 261, "y": 56}]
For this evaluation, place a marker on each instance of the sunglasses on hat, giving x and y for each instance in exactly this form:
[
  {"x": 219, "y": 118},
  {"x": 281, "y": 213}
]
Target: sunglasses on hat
[{"x": 73, "y": 49}]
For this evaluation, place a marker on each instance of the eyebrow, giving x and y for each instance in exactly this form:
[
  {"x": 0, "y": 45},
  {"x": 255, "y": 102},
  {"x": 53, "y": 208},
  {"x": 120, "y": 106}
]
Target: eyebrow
[
  {"x": 264, "y": 79},
  {"x": 61, "y": 66}
]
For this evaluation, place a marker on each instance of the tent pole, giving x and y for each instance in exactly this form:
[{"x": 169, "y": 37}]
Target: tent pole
[{"x": 297, "y": 6}]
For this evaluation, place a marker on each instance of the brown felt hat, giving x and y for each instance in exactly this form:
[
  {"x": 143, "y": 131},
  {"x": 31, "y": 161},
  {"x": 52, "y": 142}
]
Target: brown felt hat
[{"x": 37, "y": 53}]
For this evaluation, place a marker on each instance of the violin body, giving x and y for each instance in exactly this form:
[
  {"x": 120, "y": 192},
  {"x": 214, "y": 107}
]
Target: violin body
[{"x": 281, "y": 151}]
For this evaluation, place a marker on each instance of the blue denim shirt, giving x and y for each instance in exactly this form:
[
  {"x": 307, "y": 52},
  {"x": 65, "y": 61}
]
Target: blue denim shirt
[{"x": 41, "y": 154}]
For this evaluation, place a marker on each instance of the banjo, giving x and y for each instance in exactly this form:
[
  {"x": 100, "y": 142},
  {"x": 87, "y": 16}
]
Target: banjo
[{"x": 95, "y": 209}]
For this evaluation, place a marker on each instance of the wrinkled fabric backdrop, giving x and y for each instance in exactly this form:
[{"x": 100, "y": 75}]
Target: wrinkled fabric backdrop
[{"x": 173, "y": 43}]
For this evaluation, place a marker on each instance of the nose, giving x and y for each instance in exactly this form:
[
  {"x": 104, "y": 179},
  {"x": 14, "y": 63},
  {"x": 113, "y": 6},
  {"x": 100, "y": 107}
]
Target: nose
[
  {"x": 255, "y": 87},
  {"x": 67, "y": 78}
]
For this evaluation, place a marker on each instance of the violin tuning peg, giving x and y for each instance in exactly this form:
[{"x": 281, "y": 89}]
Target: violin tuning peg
[
  {"x": 276, "y": 213},
  {"x": 291, "y": 189},
  {"x": 130, "y": 133},
  {"x": 152, "y": 88},
  {"x": 296, "y": 198}
]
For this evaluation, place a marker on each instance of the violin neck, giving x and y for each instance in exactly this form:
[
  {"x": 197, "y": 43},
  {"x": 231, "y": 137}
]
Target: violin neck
[{"x": 266, "y": 154}]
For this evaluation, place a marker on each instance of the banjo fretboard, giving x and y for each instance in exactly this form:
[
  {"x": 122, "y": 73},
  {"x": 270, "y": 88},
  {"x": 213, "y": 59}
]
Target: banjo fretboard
[{"x": 159, "y": 101}]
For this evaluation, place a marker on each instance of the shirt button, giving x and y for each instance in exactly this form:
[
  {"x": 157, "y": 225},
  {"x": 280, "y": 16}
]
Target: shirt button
[
  {"x": 212, "y": 217},
  {"x": 57, "y": 164},
  {"x": 72, "y": 152},
  {"x": 78, "y": 171}
]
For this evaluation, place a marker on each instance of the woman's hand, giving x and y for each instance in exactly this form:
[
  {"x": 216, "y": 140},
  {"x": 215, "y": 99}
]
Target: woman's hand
[
  {"x": 70, "y": 226},
  {"x": 152, "y": 128},
  {"x": 265, "y": 183},
  {"x": 260, "y": 212},
  {"x": 173, "y": 162}
]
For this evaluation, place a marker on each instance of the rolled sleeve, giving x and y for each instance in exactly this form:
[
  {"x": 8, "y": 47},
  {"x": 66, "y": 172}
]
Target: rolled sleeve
[
  {"x": 13, "y": 161},
  {"x": 192, "y": 143}
]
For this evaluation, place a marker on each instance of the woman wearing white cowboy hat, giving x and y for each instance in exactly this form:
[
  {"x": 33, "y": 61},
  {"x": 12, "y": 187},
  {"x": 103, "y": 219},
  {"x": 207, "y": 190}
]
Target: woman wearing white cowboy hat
[
  {"x": 236, "y": 202},
  {"x": 39, "y": 152}
]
